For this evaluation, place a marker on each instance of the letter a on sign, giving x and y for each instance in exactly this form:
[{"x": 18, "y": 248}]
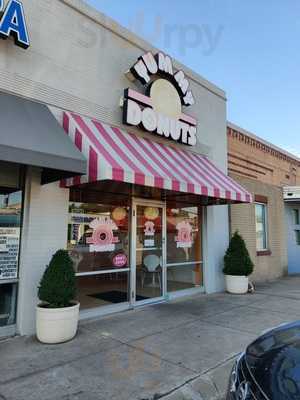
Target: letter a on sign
[{"x": 13, "y": 23}]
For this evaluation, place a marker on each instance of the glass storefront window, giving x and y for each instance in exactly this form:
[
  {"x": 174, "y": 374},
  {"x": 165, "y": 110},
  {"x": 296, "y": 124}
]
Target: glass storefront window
[
  {"x": 184, "y": 248},
  {"x": 10, "y": 229},
  {"x": 11, "y": 206},
  {"x": 7, "y": 304},
  {"x": 98, "y": 236},
  {"x": 185, "y": 276},
  {"x": 183, "y": 235},
  {"x": 102, "y": 290},
  {"x": 98, "y": 243}
]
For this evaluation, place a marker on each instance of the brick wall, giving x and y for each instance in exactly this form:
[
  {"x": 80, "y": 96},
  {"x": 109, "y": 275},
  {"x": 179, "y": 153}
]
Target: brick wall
[
  {"x": 252, "y": 157},
  {"x": 242, "y": 217}
]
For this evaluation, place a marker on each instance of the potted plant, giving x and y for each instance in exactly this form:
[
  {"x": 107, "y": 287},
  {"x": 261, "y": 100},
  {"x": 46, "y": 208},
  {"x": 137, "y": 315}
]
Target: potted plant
[
  {"x": 57, "y": 315},
  {"x": 237, "y": 265}
]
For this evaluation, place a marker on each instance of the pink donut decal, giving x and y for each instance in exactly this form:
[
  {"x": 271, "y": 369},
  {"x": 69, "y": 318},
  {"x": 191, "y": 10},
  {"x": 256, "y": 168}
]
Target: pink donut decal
[
  {"x": 184, "y": 236},
  {"x": 103, "y": 238}
]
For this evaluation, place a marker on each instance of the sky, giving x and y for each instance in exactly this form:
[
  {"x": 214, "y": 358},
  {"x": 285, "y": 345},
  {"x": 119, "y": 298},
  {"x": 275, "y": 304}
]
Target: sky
[{"x": 249, "y": 48}]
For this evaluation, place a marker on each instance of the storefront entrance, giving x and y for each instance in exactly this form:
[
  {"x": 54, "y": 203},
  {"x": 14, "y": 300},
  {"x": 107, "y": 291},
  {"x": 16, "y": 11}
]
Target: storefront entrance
[
  {"x": 148, "y": 252},
  {"x": 128, "y": 251}
]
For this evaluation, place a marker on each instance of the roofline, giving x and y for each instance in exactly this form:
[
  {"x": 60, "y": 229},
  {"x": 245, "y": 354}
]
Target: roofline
[
  {"x": 259, "y": 139},
  {"x": 113, "y": 26}
]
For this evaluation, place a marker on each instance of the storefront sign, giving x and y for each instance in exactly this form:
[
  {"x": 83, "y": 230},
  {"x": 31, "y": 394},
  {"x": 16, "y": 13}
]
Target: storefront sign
[
  {"x": 9, "y": 252},
  {"x": 120, "y": 260},
  {"x": 184, "y": 238},
  {"x": 13, "y": 23},
  {"x": 103, "y": 238},
  {"x": 160, "y": 109}
]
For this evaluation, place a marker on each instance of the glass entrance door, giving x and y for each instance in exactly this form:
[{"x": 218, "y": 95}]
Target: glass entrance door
[{"x": 148, "y": 248}]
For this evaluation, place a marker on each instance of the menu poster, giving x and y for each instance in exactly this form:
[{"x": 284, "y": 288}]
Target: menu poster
[{"x": 9, "y": 252}]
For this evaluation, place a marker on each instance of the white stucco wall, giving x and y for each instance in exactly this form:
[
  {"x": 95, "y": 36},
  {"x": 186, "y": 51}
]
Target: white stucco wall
[
  {"x": 45, "y": 225},
  {"x": 76, "y": 61},
  {"x": 292, "y": 247}
]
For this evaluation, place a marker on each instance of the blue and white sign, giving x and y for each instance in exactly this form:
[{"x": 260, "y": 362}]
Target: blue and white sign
[{"x": 13, "y": 23}]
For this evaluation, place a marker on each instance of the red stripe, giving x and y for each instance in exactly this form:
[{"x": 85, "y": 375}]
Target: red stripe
[
  {"x": 93, "y": 165},
  {"x": 176, "y": 185},
  {"x": 66, "y": 122},
  {"x": 191, "y": 188},
  {"x": 204, "y": 191},
  {"x": 217, "y": 193},
  {"x": 228, "y": 194},
  {"x": 78, "y": 140},
  {"x": 78, "y": 144},
  {"x": 159, "y": 182}
]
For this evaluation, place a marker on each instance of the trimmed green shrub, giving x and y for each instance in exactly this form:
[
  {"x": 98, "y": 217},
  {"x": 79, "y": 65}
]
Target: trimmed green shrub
[
  {"x": 58, "y": 284},
  {"x": 237, "y": 260}
]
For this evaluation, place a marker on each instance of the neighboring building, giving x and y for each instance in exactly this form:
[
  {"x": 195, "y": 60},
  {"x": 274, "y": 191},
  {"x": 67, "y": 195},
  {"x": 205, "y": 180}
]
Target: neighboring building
[
  {"x": 292, "y": 211},
  {"x": 142, "y": 209},
  {"x": 264, "y": 170}
]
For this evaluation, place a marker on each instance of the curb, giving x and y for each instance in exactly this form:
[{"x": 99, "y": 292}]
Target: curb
[{"x": 209, "y": 386}]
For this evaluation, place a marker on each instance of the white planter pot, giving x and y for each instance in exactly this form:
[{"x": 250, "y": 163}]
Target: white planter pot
[
  {"x": 56, "y": 325},
  {"x": 237, "y": 284}
]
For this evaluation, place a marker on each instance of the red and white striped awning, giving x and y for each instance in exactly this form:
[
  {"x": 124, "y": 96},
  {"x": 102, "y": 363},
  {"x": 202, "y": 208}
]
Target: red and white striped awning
[{"x": 114, "y": 154}]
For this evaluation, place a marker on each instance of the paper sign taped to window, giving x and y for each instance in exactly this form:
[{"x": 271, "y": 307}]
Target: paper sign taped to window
[{"x": 9, "y": 252}]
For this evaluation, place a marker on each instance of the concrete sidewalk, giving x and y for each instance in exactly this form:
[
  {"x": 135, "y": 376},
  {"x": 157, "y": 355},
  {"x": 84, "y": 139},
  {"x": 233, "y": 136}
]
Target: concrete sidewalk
[{"x": 175, "y": 351}]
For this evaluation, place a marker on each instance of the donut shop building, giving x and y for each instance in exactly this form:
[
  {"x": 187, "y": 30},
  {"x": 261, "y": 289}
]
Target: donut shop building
[{"x": 113, "y": 150}]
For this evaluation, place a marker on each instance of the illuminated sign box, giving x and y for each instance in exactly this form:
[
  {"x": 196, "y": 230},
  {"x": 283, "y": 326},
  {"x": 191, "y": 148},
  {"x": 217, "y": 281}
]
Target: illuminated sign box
[{"x": 159, "y": 110}]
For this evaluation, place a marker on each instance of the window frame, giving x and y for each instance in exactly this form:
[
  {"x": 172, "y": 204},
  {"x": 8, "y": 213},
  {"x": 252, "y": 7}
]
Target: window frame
[
  {"x": 266, "y": 227},
  {"x": 297, "y": 240},
  {"x": 296, "y": 216}
]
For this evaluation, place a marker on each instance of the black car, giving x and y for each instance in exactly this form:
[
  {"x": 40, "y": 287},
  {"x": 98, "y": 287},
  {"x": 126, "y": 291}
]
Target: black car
[{"x": 269, "y": 369}]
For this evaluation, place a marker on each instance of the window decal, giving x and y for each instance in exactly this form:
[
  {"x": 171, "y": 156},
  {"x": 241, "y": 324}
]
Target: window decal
[
  {"x": 149, "y": 228},
  {"x": 102, "y": 238},
  {"x": 184, "y": 238}
]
